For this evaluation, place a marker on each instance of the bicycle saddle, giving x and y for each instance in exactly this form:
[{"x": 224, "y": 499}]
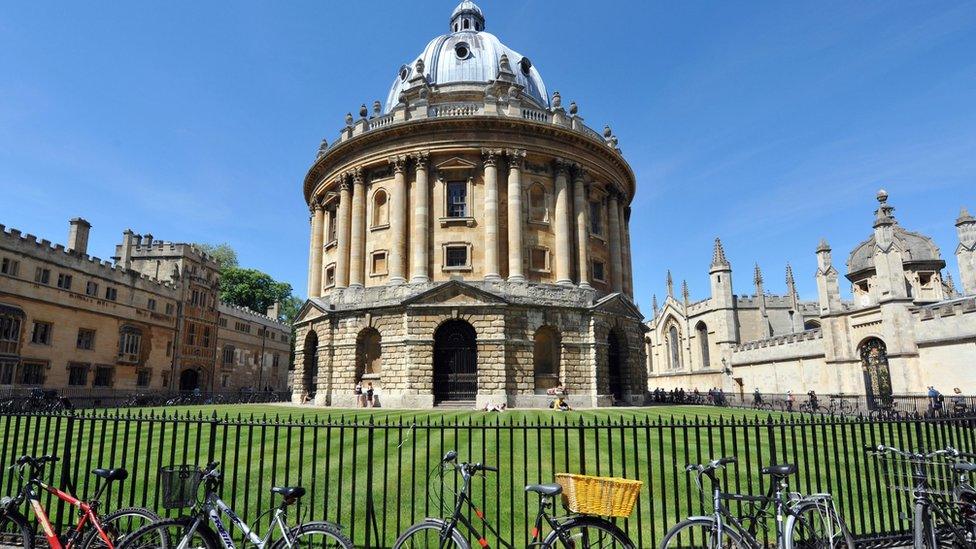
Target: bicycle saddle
[
  {"x": 963, "y": 467},
  {"x": 782, "y": 470},
  {"x": 111, "y": 474},
  {"x": 289, "y": 492},
  {"x": 545, "y": 489}
]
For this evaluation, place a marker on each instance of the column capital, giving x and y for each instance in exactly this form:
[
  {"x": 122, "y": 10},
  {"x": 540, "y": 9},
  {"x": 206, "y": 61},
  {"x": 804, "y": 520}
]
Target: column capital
[
  {"x": 358, "y": 175},
  {"x": 516, "y": 157},
  {"x": 344, "y": 181},
  {"x": 561, "y": 166},
  {"x": 579, "y": 172},
  {"x": 315, "y": 207},
  {"x": 490, "y": 156},
  {"x": 421, "y": 158},
  {"x": 398, "y": 163}
]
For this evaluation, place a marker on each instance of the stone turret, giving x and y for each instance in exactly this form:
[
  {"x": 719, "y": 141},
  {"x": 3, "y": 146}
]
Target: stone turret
[
  {"x": 828, "y": 290},
  {"x": 796, "y": 319},
  {"x": 670, "y": 284},
  {"x": 966, "y": 251},
  {"x": 720, "y": 276},
  {"x": 888, "y": 258},
  {"x": 78, "y": 236},
  {"x": 764, "y": 326}
]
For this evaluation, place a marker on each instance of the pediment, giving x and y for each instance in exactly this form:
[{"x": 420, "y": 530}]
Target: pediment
[
  {"x": 309, "y": 311},
  {"x": 617, "y": 304},
  {"x": 455, "y": 293},
  {"x": 456, "y": 163}
]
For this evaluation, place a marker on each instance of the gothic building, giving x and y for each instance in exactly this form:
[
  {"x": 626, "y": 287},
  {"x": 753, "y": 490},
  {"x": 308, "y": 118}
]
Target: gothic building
[
  {"x": 907, "y": 326},
  {"x": 469, "y": 241}
]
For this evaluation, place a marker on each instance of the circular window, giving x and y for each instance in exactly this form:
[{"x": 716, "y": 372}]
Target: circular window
[
  {"x": 525, "y": 65},
  {"x": 461, "y": 50},
  {"x": 404, "y": 72}
]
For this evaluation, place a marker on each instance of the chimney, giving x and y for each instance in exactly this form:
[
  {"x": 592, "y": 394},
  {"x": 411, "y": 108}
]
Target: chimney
[
  {"x": 274, "y": 310},
  {"x": 126, "y": 257},
  {"x": 78, "y": 236},
  {"x": 147, "y": 239}
]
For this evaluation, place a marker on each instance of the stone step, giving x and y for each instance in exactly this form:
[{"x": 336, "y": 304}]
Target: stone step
[{"x": 455, "y": 405}]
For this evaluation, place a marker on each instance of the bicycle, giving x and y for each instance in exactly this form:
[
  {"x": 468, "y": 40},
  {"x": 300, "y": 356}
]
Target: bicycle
[
  {"x": 800, "y": 521},
  {"x": 91, "y": 530},
  {"x": 840, "y": 405},
  {"x": 944, "y": 507},
  {"x": 181, "y": 487},
  {"x": 572, "y": 531}
]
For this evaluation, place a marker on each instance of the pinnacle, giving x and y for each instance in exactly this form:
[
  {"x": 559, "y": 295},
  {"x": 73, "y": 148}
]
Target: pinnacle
[
  {"x": 758, "y": 277},
  {"x": 718, "y": 255},
  {"x": 789, "y": 275}
]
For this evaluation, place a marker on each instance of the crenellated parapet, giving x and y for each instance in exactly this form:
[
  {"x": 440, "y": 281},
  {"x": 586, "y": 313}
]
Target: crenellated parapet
[{"x": 781, "y": 340}]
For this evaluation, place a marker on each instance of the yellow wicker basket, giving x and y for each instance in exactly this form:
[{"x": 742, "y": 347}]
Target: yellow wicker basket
[{"x": 601, "y": 496}]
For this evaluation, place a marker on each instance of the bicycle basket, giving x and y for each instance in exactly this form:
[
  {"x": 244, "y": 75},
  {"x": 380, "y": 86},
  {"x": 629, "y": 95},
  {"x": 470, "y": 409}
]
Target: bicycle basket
[
  {"x": 180, "y": 485},
  {"x": 601, "y": 496},
  {"x": 927, "y": 476}
]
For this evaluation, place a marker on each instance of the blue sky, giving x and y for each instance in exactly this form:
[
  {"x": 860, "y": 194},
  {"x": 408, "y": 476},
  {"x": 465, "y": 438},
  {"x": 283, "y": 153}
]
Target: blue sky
[{"x": 769, "y": 124}]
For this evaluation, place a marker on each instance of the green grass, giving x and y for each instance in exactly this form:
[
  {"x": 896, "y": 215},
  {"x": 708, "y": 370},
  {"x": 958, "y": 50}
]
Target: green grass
[{"x": 328, "y": 451}]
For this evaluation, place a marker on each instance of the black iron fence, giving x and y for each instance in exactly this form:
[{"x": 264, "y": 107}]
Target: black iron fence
[
  {"x": 55, "y": 400},
  {"x": 372, "y": 477},
  {"x": 828, "y": 403}
]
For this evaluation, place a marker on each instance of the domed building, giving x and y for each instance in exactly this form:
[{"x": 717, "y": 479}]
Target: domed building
[{"x": 469, "y": 242}]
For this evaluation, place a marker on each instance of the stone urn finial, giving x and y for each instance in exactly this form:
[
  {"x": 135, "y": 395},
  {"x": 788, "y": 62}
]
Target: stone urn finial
[
  {"x": 503, "y": 64},
  {"x": 419, "y": 67},
  {"x": 573, "y": 108},
  {"x": 557, "y": 100},
  {"x": 377, "y": 107},
  {"x": 607, "y": 132},
  {"x": 362, "y": 111},
  {"x": 349, "y": 119}
]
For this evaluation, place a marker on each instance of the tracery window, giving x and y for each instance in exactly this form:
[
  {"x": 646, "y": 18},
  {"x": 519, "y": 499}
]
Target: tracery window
[
  {"x": 674, "y": 349},
  {"x": 130, "y": 343}
]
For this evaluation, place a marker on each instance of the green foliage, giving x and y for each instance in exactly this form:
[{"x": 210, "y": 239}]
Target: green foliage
[
  {"x": 289, "y": 308},
  {"x": 222, "y": 252},
  {"x": 252, "y": 289}
]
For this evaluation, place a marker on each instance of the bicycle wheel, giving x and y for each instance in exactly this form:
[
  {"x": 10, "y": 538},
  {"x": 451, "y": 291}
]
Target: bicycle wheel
[
  {"x": 588, "y": 533},
  {"x": 169, "y": 533},
  {"x": 701, "y": 533},
  {"x": 316, "y": 534},
  {"x": 923, "y": 525},
  {"x": 427, "y": 534},
  {"x": 816, "y": 525},
  {"x": 15, "y": 530},
  {"x": 118, "y": 525}
]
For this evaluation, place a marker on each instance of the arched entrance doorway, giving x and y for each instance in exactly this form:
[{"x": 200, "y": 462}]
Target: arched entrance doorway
[
  {"x": 455, "y": 361},
  {"x": 189, "y": 379},
  {"x": 369, "y": 353},
  {"x": 615, "y": 365},
  {"x": 877, "y": 376},
  {"x": 310, "y": 364},
  {"x": 545, "y": 357}
]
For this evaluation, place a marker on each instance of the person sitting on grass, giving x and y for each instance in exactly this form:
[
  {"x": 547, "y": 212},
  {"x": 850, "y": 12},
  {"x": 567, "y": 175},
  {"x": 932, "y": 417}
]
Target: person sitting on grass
[
  {"x": 561, "y": 404},
  {"x": 495, "y": 407}
]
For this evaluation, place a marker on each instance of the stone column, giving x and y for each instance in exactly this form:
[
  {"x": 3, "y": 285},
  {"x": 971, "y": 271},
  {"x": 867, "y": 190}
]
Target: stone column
[
  {"x": 624, "y": 249},
  {"x": 398, "y": 221},
  {"x": 421, "y": 222},
  {"x": 315, "y": 252},
  {"x": 491, "y": 216},
  {"x": 581, "y": 207},
  {"x": 357, "y": 253},
  {"x": 515, "y": 159},
  {"x": 342, "y": 233},
  {"x": 563, "y": 259},
  {"x": 616, "y": 264}
]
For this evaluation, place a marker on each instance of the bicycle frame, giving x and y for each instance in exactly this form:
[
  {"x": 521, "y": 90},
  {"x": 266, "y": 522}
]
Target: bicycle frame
[
  {"x": 937, "y": 505},
  {"x": 216, "y": 507},
  {"x": 87, "y": 511},
  {"x": 749, "y": 535}
]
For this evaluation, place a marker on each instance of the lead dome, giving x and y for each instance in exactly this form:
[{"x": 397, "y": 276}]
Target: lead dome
[{"x": 468, "y": 56}]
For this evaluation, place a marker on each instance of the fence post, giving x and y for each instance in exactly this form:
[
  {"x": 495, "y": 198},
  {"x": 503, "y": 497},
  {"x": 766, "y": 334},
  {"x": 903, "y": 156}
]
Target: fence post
[
  {"x": 212, "y": 443},
  {"x": 372, "y": 528},
  {"x": 66, "y": 479}
]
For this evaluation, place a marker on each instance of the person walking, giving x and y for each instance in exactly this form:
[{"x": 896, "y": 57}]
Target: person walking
[
  {"x": 789, "y": 401},
  {"x": 358, "y": 392},
  {"x": 370, "y": 394}
]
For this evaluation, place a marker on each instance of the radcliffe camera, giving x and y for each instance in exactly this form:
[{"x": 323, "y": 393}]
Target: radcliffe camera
[{"x": 497, "y": 274}]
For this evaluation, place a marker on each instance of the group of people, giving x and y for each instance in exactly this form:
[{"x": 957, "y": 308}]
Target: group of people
[
  {"x": 937, "y": 402},
  {"x": 715, "y": 396},
  {"x": 365, "y": 396}
]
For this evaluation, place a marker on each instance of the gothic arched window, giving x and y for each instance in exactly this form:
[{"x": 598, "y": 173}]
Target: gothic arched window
[
  {"x": 702, "y": 332},
  {"x": 674, "y": 349}
]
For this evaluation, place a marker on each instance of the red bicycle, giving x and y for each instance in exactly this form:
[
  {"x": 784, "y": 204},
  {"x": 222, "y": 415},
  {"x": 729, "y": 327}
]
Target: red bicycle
[{"x": 92, "y": 529}]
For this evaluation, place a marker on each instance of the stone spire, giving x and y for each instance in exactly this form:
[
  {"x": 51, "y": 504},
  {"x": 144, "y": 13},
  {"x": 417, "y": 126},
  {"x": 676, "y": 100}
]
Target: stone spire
[
  {"x": 654, "y": 305},
  {"x": 757, "y": 279},
  {"x": 790, "y": 282},
  {"x": 684, "y": 291},
  {"x": 718, "y": 255},
  {"x": 670, "y": 284},
  {"x": 950, "y": 286}
]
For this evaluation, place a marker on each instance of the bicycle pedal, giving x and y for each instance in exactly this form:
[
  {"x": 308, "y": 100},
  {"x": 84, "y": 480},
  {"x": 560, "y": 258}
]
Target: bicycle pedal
[{"x": 905, "y": 516}]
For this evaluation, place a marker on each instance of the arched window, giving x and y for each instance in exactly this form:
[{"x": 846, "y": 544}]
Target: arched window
[
  {"x": 381, "y": 211},
  {"x": 674, "y": 349},
  {"x": 369, "y": 353},
  {"x": 702, "y": 332},
  {"x": 545, "y": 357},
  {"x": 811, "y": 324},
  {"x": 538, "y": 209},
  {"x": 130, "y": 343},
  {"x": 466, "y": 24}
]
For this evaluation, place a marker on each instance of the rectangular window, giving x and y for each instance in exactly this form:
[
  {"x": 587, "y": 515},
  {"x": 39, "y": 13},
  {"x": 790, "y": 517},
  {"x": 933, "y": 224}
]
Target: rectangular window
[
  {"x": 7, "y": 368},
  {"x": 9, "y": 266},
  {"x": 151, "y": 304},
  {"x": 191, "y": 334},
  {"x": 103, "y": 376},
  {"x": 206, "y": 336},
  {"x": 77, "y": 374},
  {"x": 64, "y": 281},
  {"x": 275, "y": 360},
  {"x": 169, "y": 309},
  {"x": 222, "y": 322},
  {"x": 41, "y": 334},
  {"x": 379, "y": 263},
  {"x": 539, "y": 259},
  {"x": 130, "y": 343},
  {"x": 332, "y": 223},
  {"x": 596, "y": 218},
  {"x": 111, "y": 294},
  {"x": 330, "y": 276},
  {"x": 456, "y": 256},
  {"x": 457, "y": 199},
  {"x": 143, "y": 377},
  {"x": 91, "y": 288},
  {"x": 86, "y": 339},
  {"x": 31, "y": 373},
  {"x": 9, "y": 334},
  {"x": 169, "y": 348},
  {"x": 225, "y": 380},
  {"x": 42, "y": 275},
  {"x": 228, "y": 354},
  {"x": 598, "y": 274}
]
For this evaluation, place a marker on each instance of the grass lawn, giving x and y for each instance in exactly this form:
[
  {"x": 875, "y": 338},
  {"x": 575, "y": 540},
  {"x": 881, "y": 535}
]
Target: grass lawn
[{"x": 341, "y": 464}]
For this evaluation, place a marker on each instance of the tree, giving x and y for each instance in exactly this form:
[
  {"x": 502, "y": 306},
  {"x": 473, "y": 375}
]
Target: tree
[
  {"x": 289, "y": 308},
  {"x": 222, "y": 252},
  {"x": 252, "y": 289}
]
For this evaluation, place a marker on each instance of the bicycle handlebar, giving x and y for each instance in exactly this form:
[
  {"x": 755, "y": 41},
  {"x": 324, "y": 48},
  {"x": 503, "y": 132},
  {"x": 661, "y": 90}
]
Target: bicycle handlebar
[
  {"x": 710, "y": 466},
  {"x": 948, "y": 451}
]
